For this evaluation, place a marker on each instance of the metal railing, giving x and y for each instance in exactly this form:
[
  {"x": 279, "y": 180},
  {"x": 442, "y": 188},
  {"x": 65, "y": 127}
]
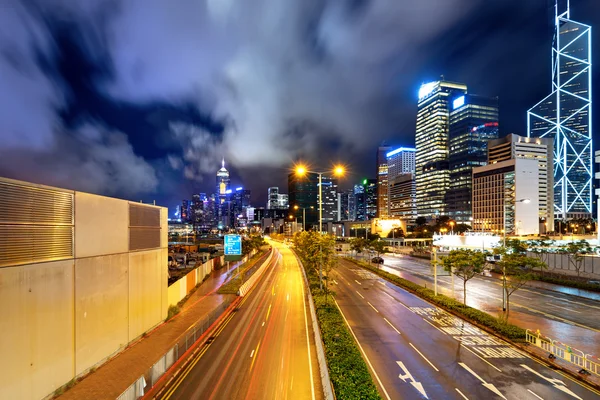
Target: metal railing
[
  {"x": 587, "y": 362},
  {"x": 185, "y": 342}
]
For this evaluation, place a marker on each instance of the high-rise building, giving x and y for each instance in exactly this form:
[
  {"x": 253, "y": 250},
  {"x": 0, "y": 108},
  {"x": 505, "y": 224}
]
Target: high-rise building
[
  {"x": 329, "y": 191},
  {"x": 223, "y": 189},
  {"x": 540, "y": 149},
  {"x": 382, "y": 182},
  {"x": 400, "y": 161},
  {"x": 360, "y": 203},
  {"x": 185, "y": 211},
  {"x": 343, "y": 213},
  {"x": 303, "y": 192},
  {"x": 351, "y": 205},
  {"x": 402, "y": 195},
  {"x": 473, "y": 121},
  {"x": 283, "y": 201},
  {"x": 566, "y": 115},
  {"x": 272, "y": 197},
  {"x": 371, "y": 187},
  {"x": 240, "y": 202},
  {"x": 431, "y": 158}
]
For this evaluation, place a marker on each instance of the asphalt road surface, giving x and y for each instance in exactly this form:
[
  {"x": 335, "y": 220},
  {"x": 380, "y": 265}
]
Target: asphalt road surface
[
  {"x": 265, "y": 351},
  {"x": 561, "y": 316},
  {"x": 416, "y": 350}
]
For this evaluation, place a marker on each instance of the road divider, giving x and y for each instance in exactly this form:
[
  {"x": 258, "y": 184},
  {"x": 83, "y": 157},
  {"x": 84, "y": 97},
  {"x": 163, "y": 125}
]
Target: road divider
[{"x": 245, "y": 288}]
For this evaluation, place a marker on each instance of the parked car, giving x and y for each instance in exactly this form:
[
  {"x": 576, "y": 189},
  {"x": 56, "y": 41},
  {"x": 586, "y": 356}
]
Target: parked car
[{"x": 377, "y": 260}]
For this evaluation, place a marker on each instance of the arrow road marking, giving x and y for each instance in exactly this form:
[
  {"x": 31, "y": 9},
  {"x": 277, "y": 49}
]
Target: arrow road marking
[
  {"x": 489, "y": 386},
  {"x": 407, "y": 375},
  {"x": 557, "y": 383}
]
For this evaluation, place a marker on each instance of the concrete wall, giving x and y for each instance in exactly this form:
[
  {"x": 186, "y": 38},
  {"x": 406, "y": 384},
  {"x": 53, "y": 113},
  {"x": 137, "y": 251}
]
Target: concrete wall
[
  {"x": 36, "y": 329},
  {"x": 58, "y": 319},
  {"x": 560, "y": 264}
]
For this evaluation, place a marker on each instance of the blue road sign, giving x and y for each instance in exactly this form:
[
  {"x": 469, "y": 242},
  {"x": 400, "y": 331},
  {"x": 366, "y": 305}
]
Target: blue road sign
[{"x": 233, "y": 245}]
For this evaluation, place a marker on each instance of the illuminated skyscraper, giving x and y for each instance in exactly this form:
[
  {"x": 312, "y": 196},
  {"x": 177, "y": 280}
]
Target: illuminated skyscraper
[
  {"x": 223, "y": 192},
  {"x": 566, "y": 115},
  {"x": 371, "y": 189},
  {"x": 222, "y": 182},
  {"x": 382, "y": 182},
  {"x": 400, "y": 161},
  {"x": 473, "y": 121},
  {"x": 431, "y": 159}
]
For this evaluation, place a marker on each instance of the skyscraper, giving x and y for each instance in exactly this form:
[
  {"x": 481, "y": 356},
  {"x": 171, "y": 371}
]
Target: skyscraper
[
  {"x": 223, "y": 189},
  {"x": 382, "y": 182},
  {"x": 566, "y": 115},
  {"x": 272, "y": 197},
  {"x": 431, "y": 159},
  {"x": 473, "y": 121},
  {"x": 343, "y": 206},
  {"x": 185, "y": 211},
  {"x": 402, "y": 195},
  {"x": 400, "y": 161},
  {"x": 360, "y": 203},
  {"x": 303, "y": 192},
  {"x": 371, "y": 188},
  {"x": 351, "y": 205}
]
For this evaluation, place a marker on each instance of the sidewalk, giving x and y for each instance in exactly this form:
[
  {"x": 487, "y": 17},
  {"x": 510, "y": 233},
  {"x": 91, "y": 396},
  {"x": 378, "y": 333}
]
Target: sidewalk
[{"x": 116, "y": 375}]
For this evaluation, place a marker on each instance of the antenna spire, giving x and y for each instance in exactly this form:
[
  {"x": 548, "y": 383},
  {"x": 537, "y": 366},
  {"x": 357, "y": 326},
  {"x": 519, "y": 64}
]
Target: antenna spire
[{"x": 223, "y": 162}]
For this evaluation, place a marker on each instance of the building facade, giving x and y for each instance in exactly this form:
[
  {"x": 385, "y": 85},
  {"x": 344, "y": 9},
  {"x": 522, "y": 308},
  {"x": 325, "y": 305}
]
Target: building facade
[
  {"x": 272, "y": 198},
  {"x": 540, "y": 149},
  {"x": 431, "y": 158},
  {"x": 303, "y": 192},
  {"x": 473, "y": 121},
  {"x": 566, "y": 115},
  {"x": 343, "y": 206},
  {"x": 360, "y": 203},
  {"x": 403, "y": 197},
  {"x": 329, "y": 191},
  {"x": 371, "y": 191},
  {"x": 400, "y": 161},
  {"x": 382, "y": 181}
]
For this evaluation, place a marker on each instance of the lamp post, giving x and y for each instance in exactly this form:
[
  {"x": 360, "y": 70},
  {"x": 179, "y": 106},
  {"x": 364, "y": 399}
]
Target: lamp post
[
  {"x": 301, "y": 171},
  {"x": 526, "y": 201},
  {"x": 452, "y": 227}
]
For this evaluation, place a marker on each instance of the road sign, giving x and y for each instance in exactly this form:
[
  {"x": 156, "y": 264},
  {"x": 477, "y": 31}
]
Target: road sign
[{"x": 233, "y": 247}]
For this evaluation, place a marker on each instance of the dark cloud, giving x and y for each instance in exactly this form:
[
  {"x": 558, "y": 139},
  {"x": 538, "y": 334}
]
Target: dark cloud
[{"x": 145, "y": 91}]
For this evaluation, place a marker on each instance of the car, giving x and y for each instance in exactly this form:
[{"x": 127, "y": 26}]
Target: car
[{"x": 377, "y": 260}]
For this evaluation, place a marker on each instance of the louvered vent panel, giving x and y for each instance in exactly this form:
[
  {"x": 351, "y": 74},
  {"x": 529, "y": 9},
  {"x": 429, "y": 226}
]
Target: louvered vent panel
[
  {"x": 21, "y": 204},
  {"x": 144, "y": 238},
  {"x": 24, "y": 244},
  {"x": 144, "y": 216}
]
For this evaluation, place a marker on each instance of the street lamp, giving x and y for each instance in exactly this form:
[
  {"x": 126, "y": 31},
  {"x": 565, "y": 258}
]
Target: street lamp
[
  {"x": 301, "y": 170},
  {"x": 452, "y": 226}
]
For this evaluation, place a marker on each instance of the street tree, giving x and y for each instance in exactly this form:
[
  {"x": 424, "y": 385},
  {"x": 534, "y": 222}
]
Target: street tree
[
  {"x": 420, "y": 221},
  {"x": 575, "y": 251},
  {"x": 465, "y": 264},
  {"x": 378, "y": 246},
  {"x": 358, "y": 245},
  {"x": 317, "y": 253},
  {"x": 395, "y": 233},
  {"x": 517, "y": 270},
  {"x": 516, "y": 246}
]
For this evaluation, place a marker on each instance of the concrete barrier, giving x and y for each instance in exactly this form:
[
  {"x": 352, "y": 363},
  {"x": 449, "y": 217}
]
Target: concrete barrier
[
  {"x": 178, "y": 290},
  {"x": 245, "y": 288}
]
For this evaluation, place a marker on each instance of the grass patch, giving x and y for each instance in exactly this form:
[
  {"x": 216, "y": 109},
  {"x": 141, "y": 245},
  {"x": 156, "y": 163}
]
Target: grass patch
[
  {"x": 471, "y": 314},
  {"x": 233, "y": 284},
  {"x": 348, "y": 371}
]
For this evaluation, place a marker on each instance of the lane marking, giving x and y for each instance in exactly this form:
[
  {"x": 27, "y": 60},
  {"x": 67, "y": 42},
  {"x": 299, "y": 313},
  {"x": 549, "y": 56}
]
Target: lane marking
[
  {"x": 382, "y": 282},
  {"x": 534, "y": 394},
  {"x": 424, "y": 358},
  {"x": 393, "y": 327},
  {"x": 268, "y": 312},
  {"x": 363, "y": 351},
  {"x": 263, "y": 324},
  {"x": 434, "y": 326},
  {"x": 489, "y": 386},
  {"x": 557, "y": 383},
  {"x": 461, "y": 393},
  {"x": 408, "y": 375},
  {"x": 563, "y": 308},
  {"x": 312, "y": 384},
  {"x": 387, "y": 294},
  {"x": 357, "y": 282},
  {"x": 373, "y": 307},
  {"x": 360, "y": 294},
  {"x": 254, "y": 359},
  {"x": 483, "y": 359},
  {"x": 251, "y": 354}
]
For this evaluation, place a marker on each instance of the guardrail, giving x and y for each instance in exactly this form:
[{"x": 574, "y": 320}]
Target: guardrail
[
  {"x": 250, "y": 282},
  {"x": 186, "y": 341},
  {"x": 565, "y": 352}
]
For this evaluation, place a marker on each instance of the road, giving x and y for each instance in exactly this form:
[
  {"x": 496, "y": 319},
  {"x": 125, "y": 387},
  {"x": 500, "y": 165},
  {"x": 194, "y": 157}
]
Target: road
[
  {"x": 561, "y": 316},
  {"x": 265, "y": 350},
  {"x": 419, "y": 351}
]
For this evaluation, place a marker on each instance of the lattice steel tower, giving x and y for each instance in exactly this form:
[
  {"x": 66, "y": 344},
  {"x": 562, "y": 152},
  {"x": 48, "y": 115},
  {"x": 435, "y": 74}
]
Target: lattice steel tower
[{"x": 566, "y": 116}]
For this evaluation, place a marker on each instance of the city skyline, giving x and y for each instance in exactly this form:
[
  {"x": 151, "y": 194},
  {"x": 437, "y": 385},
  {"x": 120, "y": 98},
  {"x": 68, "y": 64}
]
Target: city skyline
[{"x": 137, "y": 142}]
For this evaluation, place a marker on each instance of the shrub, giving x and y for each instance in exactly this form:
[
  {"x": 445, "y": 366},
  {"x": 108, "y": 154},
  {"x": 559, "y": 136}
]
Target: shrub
[
  {"x": 478, "y": 317},
  {"x": 173, "y": 311}
]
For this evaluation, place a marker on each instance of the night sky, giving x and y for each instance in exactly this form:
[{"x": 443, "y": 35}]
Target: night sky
[{"x": 140, "y": 99}]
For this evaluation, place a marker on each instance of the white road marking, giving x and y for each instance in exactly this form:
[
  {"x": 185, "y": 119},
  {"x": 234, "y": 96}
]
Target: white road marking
[
  {"x": 563, "y": 308},
  {"x": 263, "y": 324},
  {"x": 557, "y": 383},
  {"x": 360, "y": 294},
  {"x": 312, "y": 384},
  {"x": 357, "y": 282},
  {"x": 363, "y": 352},
  {"x": 251, "y": 354},
  {"x": 382, "y": 282},
  {"x": 483, "y": 359},
  {"x": 534, "y": 394},
  {"x": 408, "y": 375},
  {"x": 424, "y": 358},
  {"x": 393, "y": 327},
  {"x": 461, "y": 393},
  {"x": 489, "y": 386},
  {"x": 434, "y": 326},
  {"x": 389, "y": 295},
  {"x": 373, "y": 307}
]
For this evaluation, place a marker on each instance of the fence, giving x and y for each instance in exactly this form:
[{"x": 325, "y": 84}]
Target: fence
[
  {"x": 561, "y": 263},
  {"x": 565, "y": 352},
  {"x": 178, "y": 290},
  {"x": 152, "y": 375}
]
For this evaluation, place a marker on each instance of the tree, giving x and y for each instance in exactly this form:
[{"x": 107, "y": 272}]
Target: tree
[
  {"x": 515, "y": 246},
  {"x": 378, "y": 246},
  {"x": 521, "y": 269},
  {"x": 576, "y": 250},
  {"x": 420, "y": 221},
  {"x": 317, "y": 253},
  {"x": 395, "y": 233},
  {"x": 541, "y": 248},
  {"x": 358, "y": 244},
  {"x": 465, "y": 264}
]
